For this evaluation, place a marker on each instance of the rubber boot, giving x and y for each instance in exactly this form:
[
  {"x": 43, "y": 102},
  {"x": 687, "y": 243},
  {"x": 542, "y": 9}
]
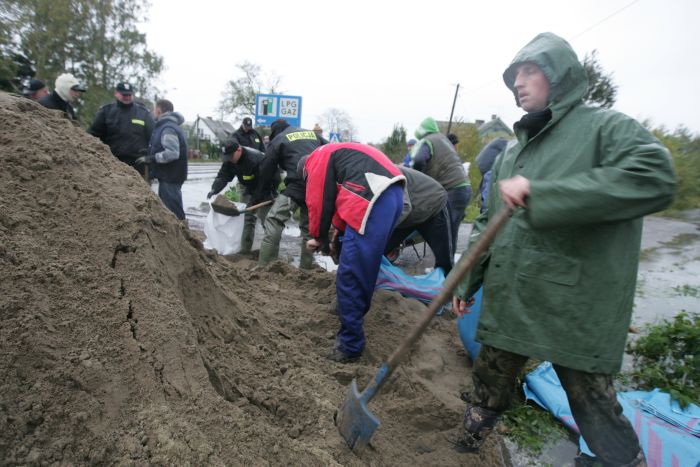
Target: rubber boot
[
  {"x": 307, "y": 257},
  {"x": 584, "y": 460},
  {"x": 477, "y": 425},
  {"x": 248, "y": 234}
]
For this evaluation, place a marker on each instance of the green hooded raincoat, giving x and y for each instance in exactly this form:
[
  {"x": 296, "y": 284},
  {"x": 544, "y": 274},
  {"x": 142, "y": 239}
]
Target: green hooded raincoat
[{"x": 559, "y": 279}]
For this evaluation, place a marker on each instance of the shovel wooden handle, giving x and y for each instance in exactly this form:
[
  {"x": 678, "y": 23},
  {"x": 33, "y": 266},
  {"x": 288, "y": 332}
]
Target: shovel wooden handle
[
  {"x": 450, "y": 284},
  {"x": 256, "y": 206}
]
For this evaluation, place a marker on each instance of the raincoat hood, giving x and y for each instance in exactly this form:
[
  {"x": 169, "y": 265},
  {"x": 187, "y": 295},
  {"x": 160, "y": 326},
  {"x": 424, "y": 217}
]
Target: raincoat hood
[
  {"x": 174, "y": 117},
  {"x": 567, "y": 78},
  {"x": 427, "y": 126}
]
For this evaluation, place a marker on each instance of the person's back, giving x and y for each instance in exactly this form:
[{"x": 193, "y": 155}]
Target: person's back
[{"x": 287, "y": 145}]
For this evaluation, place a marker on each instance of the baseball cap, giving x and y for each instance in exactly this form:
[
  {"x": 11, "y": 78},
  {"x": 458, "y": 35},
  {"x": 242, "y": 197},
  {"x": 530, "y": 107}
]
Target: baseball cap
[
  {"x": 247, "y": 122},
  {"x": 33, "y": 86},
  {"x": 124, "y": 88},
  {"x": 230, "y": 147}
]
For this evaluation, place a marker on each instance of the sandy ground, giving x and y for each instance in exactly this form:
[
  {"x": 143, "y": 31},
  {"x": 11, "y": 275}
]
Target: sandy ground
[{"x": 124, "y": 342}]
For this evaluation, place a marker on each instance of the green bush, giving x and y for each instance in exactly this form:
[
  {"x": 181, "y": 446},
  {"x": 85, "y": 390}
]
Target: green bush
[{"x": 668, "y": 357}]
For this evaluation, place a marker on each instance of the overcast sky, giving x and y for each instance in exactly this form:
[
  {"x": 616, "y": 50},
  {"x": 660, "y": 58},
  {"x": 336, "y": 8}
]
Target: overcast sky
[{"x": 386, "y": 62}]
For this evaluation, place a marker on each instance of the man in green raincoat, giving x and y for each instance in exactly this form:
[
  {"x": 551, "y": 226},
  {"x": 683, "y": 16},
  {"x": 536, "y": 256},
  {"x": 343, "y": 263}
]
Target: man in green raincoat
[{"x": 559, "y": 279}]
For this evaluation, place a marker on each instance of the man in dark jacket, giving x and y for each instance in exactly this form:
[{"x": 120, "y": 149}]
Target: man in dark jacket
[
  {"x": 35, "y": 89},
  {"x": 425, "y": 212},
  {"x": 358, "y": 191},
  {"x": 435, "y": 155},
  {"x": 244, "y": 163},
  {"x": 248, "y": 137},
  {"x": 485, "y": 160},
  {"x": 559, "y": 279},
  {"x": 125, "y": 126},
  {"x": 287, "y": 145},
  {"x": 67, "y": 90},
  {"x": 167, "y": 153}
]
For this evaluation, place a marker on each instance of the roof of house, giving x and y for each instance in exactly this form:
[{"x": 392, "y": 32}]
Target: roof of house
[
  {"x": 223, "y": 130},
  {"x": 495, "y": 125}
]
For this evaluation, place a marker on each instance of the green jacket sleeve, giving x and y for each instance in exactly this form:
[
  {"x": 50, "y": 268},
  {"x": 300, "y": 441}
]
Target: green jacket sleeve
[{"x": 634, "y": 178}]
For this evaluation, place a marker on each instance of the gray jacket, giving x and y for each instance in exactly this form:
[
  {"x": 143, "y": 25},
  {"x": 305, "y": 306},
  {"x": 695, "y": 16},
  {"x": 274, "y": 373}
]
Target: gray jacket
[{"x": 424, "y": 198}]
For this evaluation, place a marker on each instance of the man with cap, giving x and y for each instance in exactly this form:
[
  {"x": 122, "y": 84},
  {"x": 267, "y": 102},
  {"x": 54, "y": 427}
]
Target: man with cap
[
  {"x": 248, "y": 137},
  {"x": 67, "y": 90},
  {"x": 35, "y": 89},
  {"x": 288, "y": 144},
  {"x": 125, "y": 126},
  {"x": 244, "y": 163}
]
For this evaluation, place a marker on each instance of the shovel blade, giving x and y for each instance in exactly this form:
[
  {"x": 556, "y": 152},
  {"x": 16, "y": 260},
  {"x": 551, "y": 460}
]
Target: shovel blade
[{"x": 356, "y": 423}]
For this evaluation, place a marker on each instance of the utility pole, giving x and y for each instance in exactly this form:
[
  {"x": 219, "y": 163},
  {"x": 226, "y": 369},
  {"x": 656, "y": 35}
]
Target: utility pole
[{"x": 454, "y": 101}]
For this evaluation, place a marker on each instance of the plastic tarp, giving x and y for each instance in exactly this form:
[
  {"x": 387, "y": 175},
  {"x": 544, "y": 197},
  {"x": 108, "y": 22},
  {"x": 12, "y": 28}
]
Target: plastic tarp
[
  {"x": 223, "y": 232},
  {"x": 424, "y": 287},
  {"x": 467, "y": 324},
  {"x": 668, "y": 440}
]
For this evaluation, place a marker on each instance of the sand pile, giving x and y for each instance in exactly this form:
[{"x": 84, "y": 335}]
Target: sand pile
[{"x": 123, "y": 341}]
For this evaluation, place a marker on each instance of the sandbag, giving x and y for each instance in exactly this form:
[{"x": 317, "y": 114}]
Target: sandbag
[
  {"x": 467, "y": 325},
  {"x": 223, "y": 232}
]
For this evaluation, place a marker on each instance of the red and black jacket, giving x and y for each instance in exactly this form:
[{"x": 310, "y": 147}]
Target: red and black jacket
[{"x": 344, "y": 181}]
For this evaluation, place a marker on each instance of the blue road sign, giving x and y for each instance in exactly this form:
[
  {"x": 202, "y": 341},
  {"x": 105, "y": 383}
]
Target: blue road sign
[{"x": 270, "y": 107}]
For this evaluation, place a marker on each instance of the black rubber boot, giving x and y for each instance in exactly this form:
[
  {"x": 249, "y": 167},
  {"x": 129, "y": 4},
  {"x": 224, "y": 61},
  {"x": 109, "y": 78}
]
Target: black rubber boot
[{"x": 477, "y": 425}]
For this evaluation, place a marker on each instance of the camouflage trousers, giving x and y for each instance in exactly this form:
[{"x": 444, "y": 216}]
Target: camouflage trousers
[{"x": 591, "y": 396}]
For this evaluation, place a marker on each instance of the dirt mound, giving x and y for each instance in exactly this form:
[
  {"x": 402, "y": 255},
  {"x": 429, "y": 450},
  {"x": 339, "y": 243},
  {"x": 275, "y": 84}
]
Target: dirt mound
[{"x": 123, "y": 341}]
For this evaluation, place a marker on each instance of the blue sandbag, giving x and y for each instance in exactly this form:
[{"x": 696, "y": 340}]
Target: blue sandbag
[
  {"x": 467, "y": 325},
  {"x": 424, "y": 287},
  {"x": 667, "y": 442}
]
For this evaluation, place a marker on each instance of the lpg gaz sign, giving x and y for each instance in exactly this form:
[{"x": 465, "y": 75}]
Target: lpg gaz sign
[{"x": 270, "y": 107}]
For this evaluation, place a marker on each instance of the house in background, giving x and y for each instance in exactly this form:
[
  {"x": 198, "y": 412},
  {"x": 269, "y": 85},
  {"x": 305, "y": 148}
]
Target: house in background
[
  {"x": 487, "y": 129},
  {"x": 208, "y": 136}
]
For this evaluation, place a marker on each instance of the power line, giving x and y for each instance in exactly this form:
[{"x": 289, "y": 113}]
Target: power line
[{"x": 603, "y": 20}]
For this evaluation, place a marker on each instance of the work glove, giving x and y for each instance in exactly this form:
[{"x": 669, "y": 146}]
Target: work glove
[
  {"x": 145, "y": 160},
  {"x": 210, "y": 194}
]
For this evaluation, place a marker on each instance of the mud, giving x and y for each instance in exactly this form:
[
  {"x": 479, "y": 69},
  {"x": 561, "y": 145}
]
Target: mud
[{"x": 124, "y": 342}]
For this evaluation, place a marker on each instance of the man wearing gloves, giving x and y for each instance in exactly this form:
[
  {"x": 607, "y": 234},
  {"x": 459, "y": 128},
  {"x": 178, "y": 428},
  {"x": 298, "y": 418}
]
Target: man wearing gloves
[
  {"x": 67, "y": 90},
  {"x": 125, "y": 126},
  {"x": 167, "y": 154},
  {"x": 559, "y": 279},
  {"x": 244, "y": 162},
  {"x": 358, "y": 191}
]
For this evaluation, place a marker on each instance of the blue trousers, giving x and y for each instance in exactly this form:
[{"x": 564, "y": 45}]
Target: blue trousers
[
  {"x": 360, "y": 259},
  {"x": 171, "y": 195}
]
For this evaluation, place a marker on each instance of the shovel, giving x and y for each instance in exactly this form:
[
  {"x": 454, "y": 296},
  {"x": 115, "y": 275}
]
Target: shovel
[
  {"x": 223, "y": 206},
  {"x": 355, "y": 422}
]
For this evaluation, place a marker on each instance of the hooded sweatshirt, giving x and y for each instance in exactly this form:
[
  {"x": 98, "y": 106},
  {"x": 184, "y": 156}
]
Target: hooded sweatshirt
[
  {"x": 169, "y": 146},
  {"x": 559, "y": 278},
  {"x": 436, "y": 156}
]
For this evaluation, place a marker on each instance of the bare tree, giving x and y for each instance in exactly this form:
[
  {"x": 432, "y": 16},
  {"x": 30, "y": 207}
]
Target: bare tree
[
  {"x": 238, "y": 98},
  {"x": 338, "y": 121}
]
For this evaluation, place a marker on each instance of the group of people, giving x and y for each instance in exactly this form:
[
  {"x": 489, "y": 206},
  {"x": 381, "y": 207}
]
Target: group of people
[
  {"x": 152, "y": 143},
  {"x": 558, "y": 282}
]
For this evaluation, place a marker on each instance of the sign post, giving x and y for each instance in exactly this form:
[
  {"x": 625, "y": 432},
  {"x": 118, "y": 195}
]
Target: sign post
[{"x": 270, "y": 107}]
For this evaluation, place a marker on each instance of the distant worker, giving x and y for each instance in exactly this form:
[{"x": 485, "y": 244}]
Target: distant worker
[
  {"x": 67, "y": 90},
  {"x": 287, "y": 145},
  {"x": 244, "y": 163},
  {"x": 358, "y": 191},
  {"x": 266, "y": 141},
  {"x": 409, "y": 147},
  {"x": 559, "y": 280},
  {"x": 485, "y": 160},
  {"x": 125, "y": 126},
  {"x": 425, "y": 212},
  {"x": 168, "y": 155},
  {"x": 35, "y": 89},
  {"x": 247, "y": 136},
  {"x": 435, "y": 155},
  {"x": 318, "y": 130}
]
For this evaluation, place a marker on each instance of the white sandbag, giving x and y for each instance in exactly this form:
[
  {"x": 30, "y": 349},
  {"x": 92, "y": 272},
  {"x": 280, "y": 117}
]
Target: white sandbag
[{"x": 223, "y": 232}]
